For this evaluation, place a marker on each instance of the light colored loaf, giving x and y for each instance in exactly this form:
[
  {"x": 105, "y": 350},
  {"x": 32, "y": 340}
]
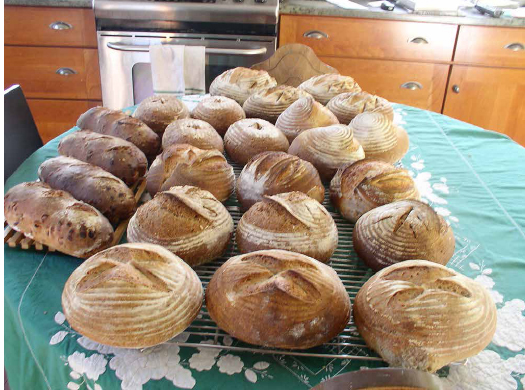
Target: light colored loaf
[
  {"x": 193, "y": 132},
  {"x": 324, "y": 87},
  {"x": 159, "y": 111},
  {"x": 219, "y": 111},
  {"x": 346, "y": 106}
]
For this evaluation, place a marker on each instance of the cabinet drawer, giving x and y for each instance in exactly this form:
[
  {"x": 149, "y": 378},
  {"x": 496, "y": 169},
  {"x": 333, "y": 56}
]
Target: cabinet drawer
[
  {"x": 49, "y": 26},
  {"x": 35, "y": 69},
  {"x": 415, "y": 84},
  {"x": 366, "y": 38},
  {"x": 491, "y": 98},
  {"x": 54, "y": 117},
  {"x": 494, "y": 46}
]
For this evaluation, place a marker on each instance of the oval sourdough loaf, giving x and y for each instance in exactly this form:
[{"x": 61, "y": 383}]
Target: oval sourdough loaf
[
  {"x": 324, "y": 87},
  {"x": 302, "y": 115},
  {"x": 271, "y": 173},
  {"x": 422, "y": 315},
  {"x": 56, "y": 219},
  {"x": 239, "y": 83},
  {"x": 348, "y": 105},
  {"x": 192, "y": 132},
  {"x": 188, "y": 221},
  {"x": 249, "y": 137},
  {"x": 292, "y": 221},
  {"x": 90, "y": 184},
  {"x": 183, "y": 164},
  {"x": 403, "y": 230},
  {"x": 327, "y": 148},
  {"x": 269, "y": 103},
  {"x": 149, "y": 296},
  {"x": 367, "y": 184},
  {"x": 158, "y": 112},
  {"x": 277, "y": 298},
  {"x": 114, "y": 155},
  {"x": 116, "y": 123},
  {"x": 219, "y": 111}
]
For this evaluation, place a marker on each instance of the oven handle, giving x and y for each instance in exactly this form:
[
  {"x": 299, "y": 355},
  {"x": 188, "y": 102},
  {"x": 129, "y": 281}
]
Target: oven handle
[{"x": 209, "y": 50}]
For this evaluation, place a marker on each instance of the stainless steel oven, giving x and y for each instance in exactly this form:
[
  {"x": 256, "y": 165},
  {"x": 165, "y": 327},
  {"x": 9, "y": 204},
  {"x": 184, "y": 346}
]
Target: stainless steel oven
[{"x": 232, "y": 37}]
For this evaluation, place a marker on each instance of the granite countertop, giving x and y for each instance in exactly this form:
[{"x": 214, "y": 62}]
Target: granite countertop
[{"x": 323, "y": 8}]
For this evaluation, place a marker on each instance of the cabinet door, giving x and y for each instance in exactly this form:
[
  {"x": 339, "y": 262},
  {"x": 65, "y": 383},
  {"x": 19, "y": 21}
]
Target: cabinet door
[
  {"x": 488, "y": 97},
  {"x": 415, "y": 84}
]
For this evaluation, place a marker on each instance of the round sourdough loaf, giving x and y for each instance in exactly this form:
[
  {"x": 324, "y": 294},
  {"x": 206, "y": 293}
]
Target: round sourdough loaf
[
  {"x": 367, "y": 184},
  {"x": 422, "y": 315},
  {"x": 403, "y": 230},
  {"x": 279, "y": 299},
  {"x": 327, "y": 148},
  {"x": 159, "y": 111},
  {"x": 249, "y": 137},
  {"x": 271, "y": 173},
  {"x": 183, "y": 164},
  {"x": 219, "y": 111},
  {"x": 292, "y": 221},
  {"x": 324, "y": 87},
  {"x": 192, "y": 132},
  {"x": 188, "y": 221},
  {"x": 348, "y": 105},
  {"x": 149, "y": 296},
  {"x": 269, "y": 103},
  {"x": 239, "y": 83},
  {"x": 302, "y": 115},
  {"x": 56, "y": 219},
  {"x": 380, "y": 138}
]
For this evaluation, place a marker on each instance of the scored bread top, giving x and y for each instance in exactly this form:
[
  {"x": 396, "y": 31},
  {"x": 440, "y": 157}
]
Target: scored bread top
[
  {"x": 159, "y": 111},
  {"x": 324, "y": 87},
  {"x": 346, "y": 106},
  {"x": 218, "y": 111},
  {"x": 194, "y": 132}
]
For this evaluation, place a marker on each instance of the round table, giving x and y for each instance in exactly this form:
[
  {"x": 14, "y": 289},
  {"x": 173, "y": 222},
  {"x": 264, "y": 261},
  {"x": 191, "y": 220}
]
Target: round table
[{"x": 472, "y": 177}]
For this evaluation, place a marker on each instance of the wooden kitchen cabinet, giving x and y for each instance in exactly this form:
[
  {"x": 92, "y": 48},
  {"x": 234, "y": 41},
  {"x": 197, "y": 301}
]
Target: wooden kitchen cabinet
[
  {"x": 415, "y": 84},
  {"x": 492, "y": 98}
]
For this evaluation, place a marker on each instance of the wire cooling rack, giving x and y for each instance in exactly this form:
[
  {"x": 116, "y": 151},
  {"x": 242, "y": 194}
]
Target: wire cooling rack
[{"x": 203, "y": 332}]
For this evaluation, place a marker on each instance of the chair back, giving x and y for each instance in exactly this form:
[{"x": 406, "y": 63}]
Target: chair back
[
  {"x": 21, "y": 136},
  {"x": 294, "y": 63}
]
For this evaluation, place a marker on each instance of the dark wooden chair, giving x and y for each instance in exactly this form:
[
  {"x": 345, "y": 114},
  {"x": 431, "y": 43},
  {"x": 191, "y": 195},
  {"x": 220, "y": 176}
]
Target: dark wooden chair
[
  {"x": 21, "y": 136},
  {"x": 294, "y": 63}
]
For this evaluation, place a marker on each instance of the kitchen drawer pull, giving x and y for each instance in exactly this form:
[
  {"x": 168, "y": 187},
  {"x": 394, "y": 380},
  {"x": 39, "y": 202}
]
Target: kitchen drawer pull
[
  {"x": 60, "y": 26},
  {"x": 412, "y": 85},
  {"x": 315, "y": 34},
  {"x": 515, "y": 46},
  {"x": 418, "y": 41},
  {"x": 455, "y": 88},
  {"x": 65, "y": 71}
]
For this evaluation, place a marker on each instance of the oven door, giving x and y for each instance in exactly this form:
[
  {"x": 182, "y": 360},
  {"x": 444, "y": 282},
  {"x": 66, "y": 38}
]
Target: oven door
[{"x": 125, "y": 67}]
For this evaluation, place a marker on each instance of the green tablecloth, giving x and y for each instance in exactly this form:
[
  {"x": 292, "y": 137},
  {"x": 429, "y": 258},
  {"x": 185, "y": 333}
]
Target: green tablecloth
[{"x": 472, "y": 177}]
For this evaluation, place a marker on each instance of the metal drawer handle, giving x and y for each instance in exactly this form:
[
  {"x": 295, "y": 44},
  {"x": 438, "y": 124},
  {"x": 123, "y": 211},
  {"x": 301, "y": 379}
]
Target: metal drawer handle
[
  {"x": 315, "y": 34},
  {"x": 418, "y": 41},
  {"x": 455, "y": 88},
  {"x": 412, "y": 85},
  {"x": 65, "y": 71},
  {"x": 515, "y": 46},
  {"x": 60, "y": 26}
]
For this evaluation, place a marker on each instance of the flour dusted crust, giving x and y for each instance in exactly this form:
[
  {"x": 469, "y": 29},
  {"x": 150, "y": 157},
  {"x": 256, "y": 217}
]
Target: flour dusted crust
[
  {"x": 327, "y": 148},
  {"x": 239, "y": 83},
  {"x": 380, "y": 138},
  {"x": 367, "y": 184},
  {"x": 219, "y": 111},
  {"x": 271, "y": 173},
  {"x": 56, "y": 219},
  {"x": 422, "y": 315},
  {"x": 279, "y": 299},
  {"x": 193, "y": 132},
  {"x": 348, "y": 105},
  {"x": 403, "y": 230},
  {"x": 324, "y": 87},
  {"x": 292, "y": 221},
  {"x": 302, "y": 115},
  {"x": 249, "y": 137},
  {"x": 186, "y": 220},
  {"x": 182, "y": 164},
  {"x": 159, "y": 111},
  {"x": 149, "y": 296},
  {"x": 269, "y": 103}
]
